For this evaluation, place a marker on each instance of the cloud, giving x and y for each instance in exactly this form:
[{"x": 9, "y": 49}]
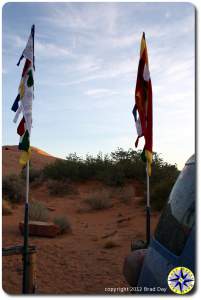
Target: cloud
[
  {"x": 100, "y": 92},
  {"x": 42, "y": 49},
  {"x": 48, "y": 50},
  {"x": 76, "y": 73},
  {"x": 78, "y": 17},
  {"x": 85, "y": 63},
  {"x": 181, "y": 70},
  {"x": 98, "y": 40},
  {"x": 109, "y": 70}
]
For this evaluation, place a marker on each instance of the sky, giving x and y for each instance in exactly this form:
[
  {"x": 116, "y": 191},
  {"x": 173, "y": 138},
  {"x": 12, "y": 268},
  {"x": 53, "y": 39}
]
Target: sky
[{"x": 86, "y": 57}]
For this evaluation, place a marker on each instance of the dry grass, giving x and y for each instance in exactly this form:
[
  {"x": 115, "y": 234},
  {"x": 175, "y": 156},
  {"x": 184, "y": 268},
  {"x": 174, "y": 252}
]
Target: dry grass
[
  {"x": 126, "y": 194},
  {"x": 99, "y": 200},
  {"x": 13, "y": 188},
  {"x": 38, "y": 211},
  {"x": 63, "y": 224}
]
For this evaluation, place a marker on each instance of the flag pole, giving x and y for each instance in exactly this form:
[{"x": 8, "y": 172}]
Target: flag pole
[
  {"x": 148, "y": 209},
  {"x": 25, "y": 282},
  {"x": 25, "y": 287}
]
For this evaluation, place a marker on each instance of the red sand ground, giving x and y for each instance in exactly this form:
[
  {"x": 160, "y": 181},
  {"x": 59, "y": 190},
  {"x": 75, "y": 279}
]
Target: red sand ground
[{"x": 75, "y": 263}]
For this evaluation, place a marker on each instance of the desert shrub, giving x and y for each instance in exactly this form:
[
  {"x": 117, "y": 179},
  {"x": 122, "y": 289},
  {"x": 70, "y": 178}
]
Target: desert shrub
[
  {"x": 159, "y": 194},
  {"x": 60, "y": 188},
  {"x": 38, "y": 211},
  {"x": 34, "y": 174},
  {"x": 38, "y": 181},
  {"x": 113, "y": 177},
  {"x": 130, "y": 163},
  {"x": 162, "y": 180},
  {"x": 109, "y": 244},
  {"x": 63, "y": 224},
  {"x": 111, "y": 169},
  {"x": 126, "y": 194},
  {"x": 72, "y": 168},
  {"x": 99, "y": 200},
  {"x": 13, "y": 188},
  {"x": 114, "y": 170},
  {"x": 162, "y": 170},
  {"x": 54, "y": 170},
  {"x": 6, "y": 208}
]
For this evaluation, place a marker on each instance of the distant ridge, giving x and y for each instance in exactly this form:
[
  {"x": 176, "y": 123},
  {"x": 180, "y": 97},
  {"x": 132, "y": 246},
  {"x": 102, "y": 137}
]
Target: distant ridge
[{"x": 11, "y": 154}]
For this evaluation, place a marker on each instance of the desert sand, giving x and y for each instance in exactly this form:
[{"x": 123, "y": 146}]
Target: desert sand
[{"x": 76, "y": 262}]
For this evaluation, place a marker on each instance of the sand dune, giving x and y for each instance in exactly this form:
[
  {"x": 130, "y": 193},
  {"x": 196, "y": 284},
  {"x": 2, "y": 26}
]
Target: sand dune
[{"x": 10, "y": 158}]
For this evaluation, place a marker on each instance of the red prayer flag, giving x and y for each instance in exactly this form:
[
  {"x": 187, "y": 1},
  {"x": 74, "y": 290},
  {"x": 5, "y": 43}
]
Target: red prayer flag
[{"x": 143, "y": 105}]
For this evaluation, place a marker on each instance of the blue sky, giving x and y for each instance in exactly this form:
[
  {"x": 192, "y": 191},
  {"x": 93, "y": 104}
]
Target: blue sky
[{"x": 87, "y": 56}]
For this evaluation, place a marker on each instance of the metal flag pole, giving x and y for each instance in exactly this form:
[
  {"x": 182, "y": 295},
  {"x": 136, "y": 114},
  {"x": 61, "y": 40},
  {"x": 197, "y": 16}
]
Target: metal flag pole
[
  {"x": 148, "y": 210},
  {"x": 25, "y": 282},
  {"x": 25, "y": 287}
]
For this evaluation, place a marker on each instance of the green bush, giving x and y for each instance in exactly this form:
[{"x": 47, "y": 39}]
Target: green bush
[
  {"x": 115, "y": 170},
  {"x": 34, "y": 174},
  {"x": 99, "y": 200},
  {"x": 130, "y": 163},
  {"x": 38, "y": 212},
  {"x": 63, "y": 224},
  {"x": 113, "y": 177},
  {"x": 60, "y": 188},
  {"x": 159, "y": 194},
  {"x": 13, "y": 188},
  {"x": 162, "y": 180},
  {"x": 73, "y": 169}
]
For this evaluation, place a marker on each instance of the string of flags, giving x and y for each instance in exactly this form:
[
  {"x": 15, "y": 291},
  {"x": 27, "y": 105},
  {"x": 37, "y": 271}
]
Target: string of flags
[
  {"x": 23, "y": 102},
  {"x": 142, "y": 110}
]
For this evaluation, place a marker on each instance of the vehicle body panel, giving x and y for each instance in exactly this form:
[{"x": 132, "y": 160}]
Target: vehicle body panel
[
  {"x": 173, "y": 244},
  {"x": 160, "y": 260}
]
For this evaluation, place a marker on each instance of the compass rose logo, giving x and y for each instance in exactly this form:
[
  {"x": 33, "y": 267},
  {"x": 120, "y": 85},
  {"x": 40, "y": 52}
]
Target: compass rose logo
[{"x": 181, "y": 280}]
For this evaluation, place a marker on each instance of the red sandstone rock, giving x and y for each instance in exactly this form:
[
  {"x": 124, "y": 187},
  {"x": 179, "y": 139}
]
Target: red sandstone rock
[{"x": 37, "y": 228}]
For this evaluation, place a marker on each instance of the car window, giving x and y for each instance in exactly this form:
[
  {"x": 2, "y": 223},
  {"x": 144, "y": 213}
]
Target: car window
[{"x": 178, "y": 217}]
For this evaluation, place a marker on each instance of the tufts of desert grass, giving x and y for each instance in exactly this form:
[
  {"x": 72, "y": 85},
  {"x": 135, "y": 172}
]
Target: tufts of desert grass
[
  {"x": 111, "y": 243},
  {"x": 82, "y": 209},
  {"x": 63, "y": 223},
  {"x": 38, "y": 211},
  {"x": 126, "y": 194},
  {"x": 6, "y": 208},
  {"x": 99, "y": 200}
]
